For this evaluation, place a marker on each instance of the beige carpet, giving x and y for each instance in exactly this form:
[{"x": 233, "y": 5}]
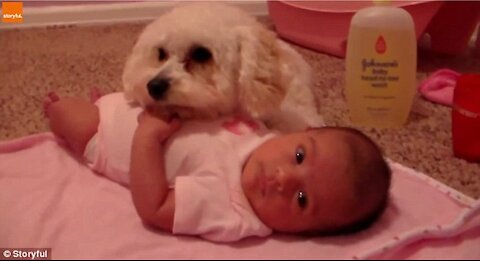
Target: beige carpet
[{"x": 70, "y": 60}]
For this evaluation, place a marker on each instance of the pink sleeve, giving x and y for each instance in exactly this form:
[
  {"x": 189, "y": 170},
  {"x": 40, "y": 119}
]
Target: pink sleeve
[{"x": 203, "y": 207}]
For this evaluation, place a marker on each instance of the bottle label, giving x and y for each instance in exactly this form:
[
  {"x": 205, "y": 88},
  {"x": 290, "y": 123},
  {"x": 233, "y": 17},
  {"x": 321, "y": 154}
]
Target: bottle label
[
  {"x": 380, "y": 76},
  {"x": 379, "y": 73},
  {"x": 465, "y": 112}
]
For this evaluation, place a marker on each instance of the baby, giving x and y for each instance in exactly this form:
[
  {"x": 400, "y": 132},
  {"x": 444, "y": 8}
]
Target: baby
[{"x": 230, "y": 178}]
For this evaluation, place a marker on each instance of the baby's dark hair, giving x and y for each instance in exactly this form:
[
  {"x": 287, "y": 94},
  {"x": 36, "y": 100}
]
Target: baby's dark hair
[{"x": 372, "y": 178}]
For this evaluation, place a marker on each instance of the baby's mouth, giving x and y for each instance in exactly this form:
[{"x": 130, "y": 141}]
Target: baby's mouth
[
  {"x": 267, "y": 182},
  {"x": 263, "y": 186}
]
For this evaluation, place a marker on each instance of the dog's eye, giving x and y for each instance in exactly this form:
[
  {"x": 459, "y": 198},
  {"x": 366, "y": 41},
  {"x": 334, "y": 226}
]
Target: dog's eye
[
  {"x": 200, "y": 54},
  {"x": 162, "y": 54}
]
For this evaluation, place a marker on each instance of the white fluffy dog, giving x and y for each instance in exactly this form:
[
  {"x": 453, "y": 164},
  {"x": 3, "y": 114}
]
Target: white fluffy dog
[{"x": 205, "y": 60}]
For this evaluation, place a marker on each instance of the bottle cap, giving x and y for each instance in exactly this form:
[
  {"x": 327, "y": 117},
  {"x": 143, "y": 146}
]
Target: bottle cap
[{"x": 381, "y": 2}]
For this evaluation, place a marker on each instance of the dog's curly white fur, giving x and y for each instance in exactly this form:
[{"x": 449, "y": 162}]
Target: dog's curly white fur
[{"x": 207, "y": 60}]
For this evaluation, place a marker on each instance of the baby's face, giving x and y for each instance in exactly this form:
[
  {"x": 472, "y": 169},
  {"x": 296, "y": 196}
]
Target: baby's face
[{"x": 298, "y": 182}]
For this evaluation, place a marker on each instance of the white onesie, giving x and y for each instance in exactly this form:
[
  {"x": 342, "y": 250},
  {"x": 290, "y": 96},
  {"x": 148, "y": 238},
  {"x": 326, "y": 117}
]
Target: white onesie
[{"x": 203, "y": 163}]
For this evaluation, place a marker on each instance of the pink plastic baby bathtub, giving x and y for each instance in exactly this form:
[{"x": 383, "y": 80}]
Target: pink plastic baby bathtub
[{"x": 323, "y": 25}]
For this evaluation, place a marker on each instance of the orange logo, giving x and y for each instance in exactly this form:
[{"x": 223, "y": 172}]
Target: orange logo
[{"x": 12, "y": 12}]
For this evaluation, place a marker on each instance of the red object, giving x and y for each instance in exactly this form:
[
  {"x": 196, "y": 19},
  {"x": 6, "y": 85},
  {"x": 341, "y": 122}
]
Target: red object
[
  {"x": 466, "y": 117},
  {"x": 452, "y": 27}
]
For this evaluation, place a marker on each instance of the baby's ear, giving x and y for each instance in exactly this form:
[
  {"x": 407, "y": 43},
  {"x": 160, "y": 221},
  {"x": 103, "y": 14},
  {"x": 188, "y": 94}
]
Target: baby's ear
[{"x": 260, "y": 89}]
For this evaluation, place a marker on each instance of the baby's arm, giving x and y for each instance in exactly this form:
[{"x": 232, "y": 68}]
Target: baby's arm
[{"x": 153, "y": 199}]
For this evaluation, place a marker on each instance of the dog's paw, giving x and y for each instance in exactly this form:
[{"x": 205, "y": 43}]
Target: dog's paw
[{"x": 315, "y": 121}]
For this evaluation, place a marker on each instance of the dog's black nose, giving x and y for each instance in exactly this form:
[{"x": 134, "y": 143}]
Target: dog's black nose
[{"x": 157, "y": 87}]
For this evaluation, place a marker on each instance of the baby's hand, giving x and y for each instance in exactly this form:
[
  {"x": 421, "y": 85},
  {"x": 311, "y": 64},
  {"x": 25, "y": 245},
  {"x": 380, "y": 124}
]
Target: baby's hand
[{"x": 152, "y": 126}]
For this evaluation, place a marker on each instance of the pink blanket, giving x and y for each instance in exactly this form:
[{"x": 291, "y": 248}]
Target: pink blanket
[{"x": 48, "y": 199}]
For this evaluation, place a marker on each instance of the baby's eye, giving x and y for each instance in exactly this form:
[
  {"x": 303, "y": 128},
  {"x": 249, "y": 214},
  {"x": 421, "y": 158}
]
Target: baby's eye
[
  {"x": 302, "y": 199},
  {"x": 162, "y": 54},
  {"x": 299, "y": 155}
]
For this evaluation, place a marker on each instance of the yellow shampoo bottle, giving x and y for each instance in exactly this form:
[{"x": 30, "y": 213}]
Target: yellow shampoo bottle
[{"x": 381, "y": 63}]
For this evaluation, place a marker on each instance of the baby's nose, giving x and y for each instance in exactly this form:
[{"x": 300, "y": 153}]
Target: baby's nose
[{"x": 286, "y": 180}]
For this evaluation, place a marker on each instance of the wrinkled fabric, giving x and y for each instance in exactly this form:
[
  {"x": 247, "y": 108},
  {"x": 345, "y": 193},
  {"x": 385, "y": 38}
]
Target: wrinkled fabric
[{"x": 49, "y": 199}]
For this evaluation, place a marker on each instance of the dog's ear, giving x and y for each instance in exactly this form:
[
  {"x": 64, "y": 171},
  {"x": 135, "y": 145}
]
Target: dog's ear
[
  {"x": 132, "y": 70},
  {"x": 300, "y": 103},
  {"x": 259, "y": 86},
  {"x": 275, "y": 82},
  {"x": 126, "y": 78}
]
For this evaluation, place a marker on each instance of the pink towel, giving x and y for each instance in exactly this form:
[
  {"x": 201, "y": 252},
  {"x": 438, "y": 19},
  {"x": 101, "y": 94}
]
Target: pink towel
[
  {"x": 439, "y": 86},
  {"x": 49, "y": 199}
]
